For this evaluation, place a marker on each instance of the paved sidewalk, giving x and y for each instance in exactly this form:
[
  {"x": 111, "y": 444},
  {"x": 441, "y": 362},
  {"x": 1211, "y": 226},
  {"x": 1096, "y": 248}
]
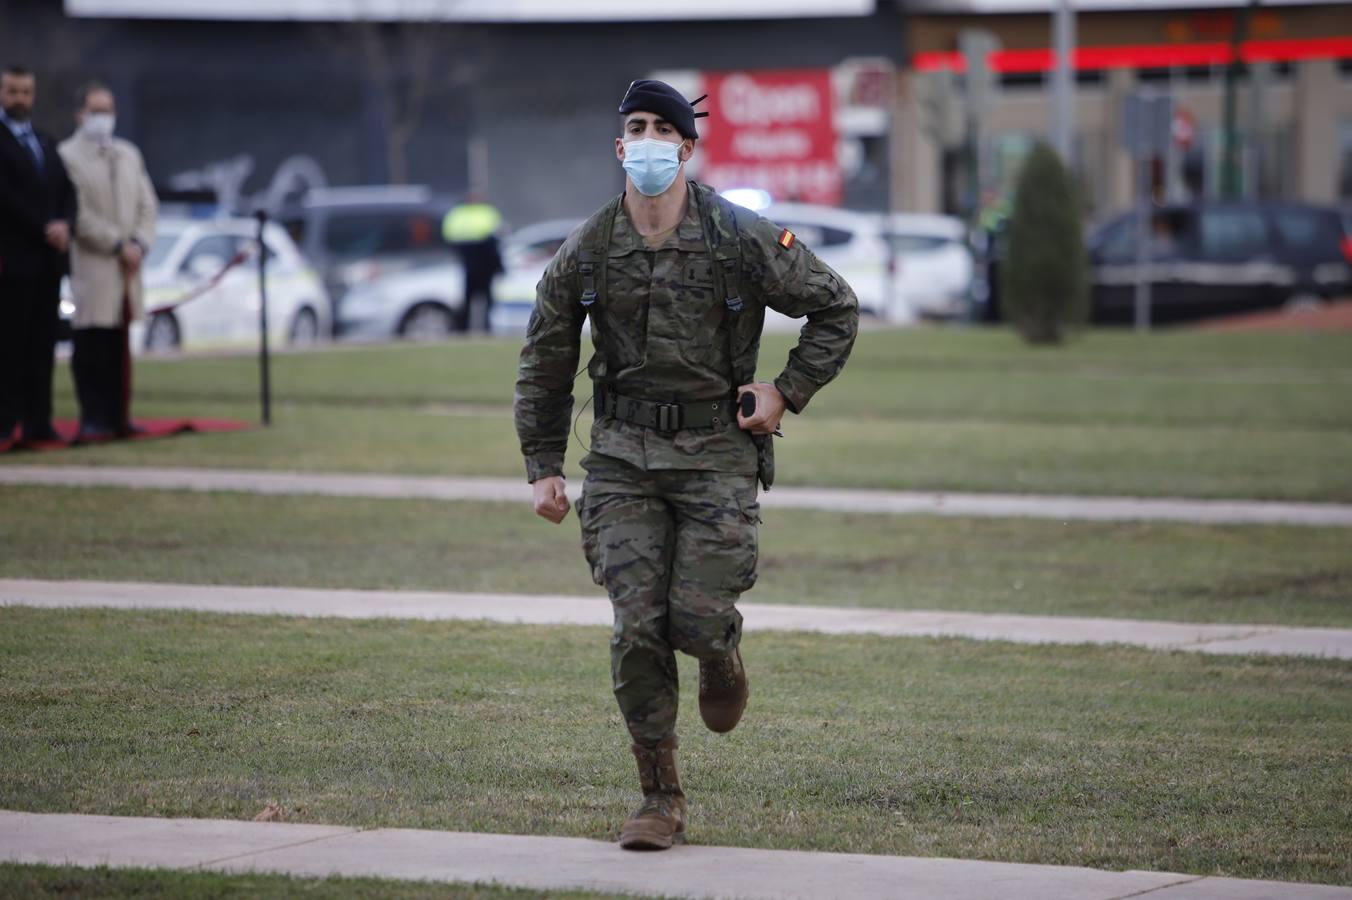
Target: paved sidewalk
[
  {"x": 1065, "y": 508},
  {"x": 552, "y": 863},
  {"x": 1335, "y": 643}
]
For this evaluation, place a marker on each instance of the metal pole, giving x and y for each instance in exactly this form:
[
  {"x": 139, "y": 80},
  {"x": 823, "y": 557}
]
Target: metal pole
[
  {"x": 264, "y": 363},
  {"x": 1231, "y": 179},
  {"x": 893, "y": 96},
  {"x": 1260, "y": 74},
  {"x": 1143, "y": 243},
  {"x": 1063, "y": 81}
]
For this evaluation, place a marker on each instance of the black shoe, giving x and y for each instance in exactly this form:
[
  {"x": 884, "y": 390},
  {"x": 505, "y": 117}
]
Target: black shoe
[
  {"x": 129, "y": 429},
  {"x": 44, "y": 435},
  {"x": 90, "y": 434}
]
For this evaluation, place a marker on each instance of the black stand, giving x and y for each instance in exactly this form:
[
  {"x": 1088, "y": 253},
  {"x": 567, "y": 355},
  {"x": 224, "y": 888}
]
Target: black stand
[{"x": 264, "y": 361}]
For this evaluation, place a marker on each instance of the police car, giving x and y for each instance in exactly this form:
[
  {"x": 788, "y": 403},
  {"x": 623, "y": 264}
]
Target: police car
[{"x": 201, "y": 289}]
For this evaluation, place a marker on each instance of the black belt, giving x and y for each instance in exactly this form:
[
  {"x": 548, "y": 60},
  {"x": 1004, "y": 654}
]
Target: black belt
[{"x": 664, "y": 417}]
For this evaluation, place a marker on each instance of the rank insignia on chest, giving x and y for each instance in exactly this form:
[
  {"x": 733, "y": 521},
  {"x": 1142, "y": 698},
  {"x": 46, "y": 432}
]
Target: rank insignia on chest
[{"x": 786, "y": 239}]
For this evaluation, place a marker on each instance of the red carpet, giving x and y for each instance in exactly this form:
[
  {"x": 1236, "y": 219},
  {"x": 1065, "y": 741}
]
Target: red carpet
[{"x": 153, "y": 428}]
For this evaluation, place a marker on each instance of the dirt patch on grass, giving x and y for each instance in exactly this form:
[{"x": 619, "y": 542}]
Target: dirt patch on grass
[{"x": 1336, "y": 316}]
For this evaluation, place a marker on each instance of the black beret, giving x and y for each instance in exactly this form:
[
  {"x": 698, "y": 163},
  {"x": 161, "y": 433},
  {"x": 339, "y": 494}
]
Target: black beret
[{"x": 664, "y": 100}]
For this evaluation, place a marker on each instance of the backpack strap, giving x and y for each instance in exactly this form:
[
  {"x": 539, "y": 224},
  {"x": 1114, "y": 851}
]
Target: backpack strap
[
  {"x": 723, "y": 237},
  {"x": 592, "y": 253}
]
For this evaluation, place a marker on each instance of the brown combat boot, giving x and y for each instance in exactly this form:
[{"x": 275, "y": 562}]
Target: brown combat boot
[
  {"x": 722, "y": 691},
  {"x": 659, "y": 820}
]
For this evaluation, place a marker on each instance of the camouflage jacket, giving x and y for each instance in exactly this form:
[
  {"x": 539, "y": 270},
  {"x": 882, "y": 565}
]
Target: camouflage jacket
[{"x": 661, "y": 330}]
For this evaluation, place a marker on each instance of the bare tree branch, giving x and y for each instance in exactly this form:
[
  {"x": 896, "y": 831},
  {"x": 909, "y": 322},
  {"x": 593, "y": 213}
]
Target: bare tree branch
[{"x": 408, "y": 60}]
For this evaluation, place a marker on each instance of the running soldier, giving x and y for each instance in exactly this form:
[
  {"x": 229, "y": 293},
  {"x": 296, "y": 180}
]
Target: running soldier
[{"x": 676, "y": 281}]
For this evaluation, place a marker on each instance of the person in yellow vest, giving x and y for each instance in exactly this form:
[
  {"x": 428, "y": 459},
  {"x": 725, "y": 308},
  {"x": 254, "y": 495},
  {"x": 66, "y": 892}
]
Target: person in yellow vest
[{"x": 471, "y": 228}]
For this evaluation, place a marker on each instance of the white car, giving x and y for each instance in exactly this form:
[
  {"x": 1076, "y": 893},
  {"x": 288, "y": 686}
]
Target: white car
[
  {"x": 421, "y": 303},
  {"x": 201, "y": 279},
  {"x": 933, "y": 268},
  {"x": 931, "y": 271},
  {"x": 426, "y": 302},
  {"x": 525, "y": 255},
  {"x": 853, "y": 244}
]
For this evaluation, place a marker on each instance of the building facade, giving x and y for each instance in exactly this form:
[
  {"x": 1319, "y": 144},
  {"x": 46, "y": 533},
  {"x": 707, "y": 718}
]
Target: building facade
[
  {"x": 1292, "y": 100},
  {"x": 526, "y": 109},
  {"x": 246, "y": 99}
]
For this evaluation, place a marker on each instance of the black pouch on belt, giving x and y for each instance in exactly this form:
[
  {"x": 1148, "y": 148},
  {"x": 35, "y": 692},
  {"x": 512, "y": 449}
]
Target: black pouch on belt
[
  {"x": 765, "y": 446},
  {"x": 765, "y": 459}
]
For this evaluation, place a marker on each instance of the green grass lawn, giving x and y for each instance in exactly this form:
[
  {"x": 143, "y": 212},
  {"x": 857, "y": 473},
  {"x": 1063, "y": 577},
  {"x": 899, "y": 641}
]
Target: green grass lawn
[
  {"x": 1176, "y": 378},
  {"x": 1177, "y": 413},
  {"x": 1255, "y": 574},
  {"x": 1210, "y": 462},
  {"x": 76, "y": 883},
  {"x": 1107, "y": 757}
]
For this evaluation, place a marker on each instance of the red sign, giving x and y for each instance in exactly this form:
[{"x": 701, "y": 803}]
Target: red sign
[{"x": 774, "y": 131}]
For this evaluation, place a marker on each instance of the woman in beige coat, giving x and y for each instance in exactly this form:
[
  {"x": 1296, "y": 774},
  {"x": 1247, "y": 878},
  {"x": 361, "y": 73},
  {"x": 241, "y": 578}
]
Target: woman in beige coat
[{"x": 114, "y": 227}]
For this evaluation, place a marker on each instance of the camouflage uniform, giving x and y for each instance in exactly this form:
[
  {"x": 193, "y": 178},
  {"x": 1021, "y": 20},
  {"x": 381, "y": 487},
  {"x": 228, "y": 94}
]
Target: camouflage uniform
[{"x": 669, "y": 518}]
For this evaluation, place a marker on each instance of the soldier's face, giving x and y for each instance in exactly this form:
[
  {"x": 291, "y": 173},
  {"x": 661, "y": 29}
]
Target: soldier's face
[
  {"x": 638, "y": 126},
  {"x": 16, "y": 95}
]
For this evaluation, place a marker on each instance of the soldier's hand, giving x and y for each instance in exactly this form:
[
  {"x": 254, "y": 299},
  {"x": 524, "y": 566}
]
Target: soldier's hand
[
  {"x": 551, "y": 498},
  {"x": 769, "y": 408}
]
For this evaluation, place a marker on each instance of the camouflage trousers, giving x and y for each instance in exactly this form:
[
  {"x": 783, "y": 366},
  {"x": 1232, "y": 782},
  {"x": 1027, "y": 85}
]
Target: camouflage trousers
[{"x": 674, "y": 549}]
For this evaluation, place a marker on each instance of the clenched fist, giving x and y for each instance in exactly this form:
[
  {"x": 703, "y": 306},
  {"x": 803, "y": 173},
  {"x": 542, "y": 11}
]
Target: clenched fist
[
  {"x": 770, "y": 407},
  {"x": 551, "y": 498}
]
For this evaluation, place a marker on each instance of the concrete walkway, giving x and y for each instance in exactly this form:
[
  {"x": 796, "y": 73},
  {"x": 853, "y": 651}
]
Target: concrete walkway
[
  {"x": 1064, "y": 508},
  {"x": 553, "y": 863},
  {"x": 1334, "y": 643}
]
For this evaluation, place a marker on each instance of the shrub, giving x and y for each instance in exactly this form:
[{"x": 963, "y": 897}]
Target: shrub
[{"x": 1045, "y": 285}]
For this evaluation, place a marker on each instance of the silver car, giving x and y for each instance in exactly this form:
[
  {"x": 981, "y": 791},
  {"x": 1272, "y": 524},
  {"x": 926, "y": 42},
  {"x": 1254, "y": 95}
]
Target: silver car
[{"x": 426, "y": 303}]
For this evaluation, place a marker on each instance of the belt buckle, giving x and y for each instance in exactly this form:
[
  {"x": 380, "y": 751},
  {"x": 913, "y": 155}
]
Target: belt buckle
[{"x": 668, "y": 417}]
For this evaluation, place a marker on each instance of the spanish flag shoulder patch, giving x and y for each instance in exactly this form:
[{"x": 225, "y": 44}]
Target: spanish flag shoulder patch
[{"x": 786, "y": 239}]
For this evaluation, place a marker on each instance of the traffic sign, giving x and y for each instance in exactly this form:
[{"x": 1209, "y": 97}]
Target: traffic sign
[{"x": 1147, "y": 123}]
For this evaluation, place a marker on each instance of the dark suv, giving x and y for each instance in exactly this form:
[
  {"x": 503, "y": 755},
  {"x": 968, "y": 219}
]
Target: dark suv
[
  {"x": 354, "y": 235},
  {"x": 1210, "y": 259}
]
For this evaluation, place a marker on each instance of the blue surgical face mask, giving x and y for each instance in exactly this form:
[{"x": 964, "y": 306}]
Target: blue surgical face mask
[{"x": 651, "y": 164}]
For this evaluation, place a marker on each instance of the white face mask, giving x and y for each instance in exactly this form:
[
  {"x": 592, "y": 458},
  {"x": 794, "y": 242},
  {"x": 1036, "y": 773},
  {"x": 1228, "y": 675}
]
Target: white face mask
[{"x": 99, "y": 126}]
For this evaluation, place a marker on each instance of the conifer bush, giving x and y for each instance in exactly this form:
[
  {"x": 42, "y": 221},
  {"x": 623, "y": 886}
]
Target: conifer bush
[{"x": 1045, "y": 285}]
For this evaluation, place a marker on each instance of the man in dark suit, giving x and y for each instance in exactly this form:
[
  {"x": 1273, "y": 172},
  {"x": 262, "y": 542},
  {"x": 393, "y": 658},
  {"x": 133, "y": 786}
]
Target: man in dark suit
[{"x": 37, "y": 214}]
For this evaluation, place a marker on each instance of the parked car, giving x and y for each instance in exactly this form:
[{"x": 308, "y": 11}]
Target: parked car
[
  {"x": 1212, "y": 258},
  {"x": 1218, "y": 258},
  {"x": 525, "y": 253},
  {"x": 1215, "y": 258},
  {"x": 852, "y": 243},
  {"x": 933, "y": 272},
  {"x": 201, "y": 280},
  {"x": 419, "y": 304},
  {"x": 425, "y": 303},
  {"x": 358, "y": 235},
  {"x": 932, "y": 266}
]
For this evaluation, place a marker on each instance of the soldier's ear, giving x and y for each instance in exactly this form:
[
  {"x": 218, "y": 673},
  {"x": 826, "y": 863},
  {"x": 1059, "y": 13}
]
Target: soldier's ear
[{"x": 688, "y": 149}]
